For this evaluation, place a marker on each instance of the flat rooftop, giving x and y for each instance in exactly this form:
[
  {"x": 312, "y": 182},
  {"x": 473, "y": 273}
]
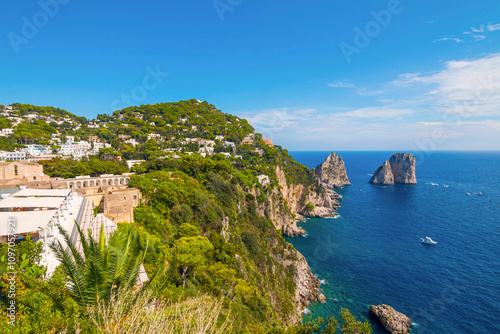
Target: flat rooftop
[
  {"x": 43, "y": 193},
  {"x": 31, "y": 202},
  {"x": 26, "y": 222}
]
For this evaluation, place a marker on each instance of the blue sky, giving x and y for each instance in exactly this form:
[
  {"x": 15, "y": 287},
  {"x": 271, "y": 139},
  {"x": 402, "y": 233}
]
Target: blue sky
[{"x": 317, "y": 75}]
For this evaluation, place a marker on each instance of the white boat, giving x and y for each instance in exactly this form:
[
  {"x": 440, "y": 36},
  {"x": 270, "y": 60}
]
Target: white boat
[{"x": 428, "y": 241}]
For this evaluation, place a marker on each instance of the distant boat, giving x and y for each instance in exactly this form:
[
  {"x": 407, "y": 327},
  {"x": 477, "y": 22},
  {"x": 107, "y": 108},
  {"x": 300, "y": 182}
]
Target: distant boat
[
  {"x": 428, "y": 241},
  {"x": 468, "y": 194},
  {"x": 479, "y": 194}
]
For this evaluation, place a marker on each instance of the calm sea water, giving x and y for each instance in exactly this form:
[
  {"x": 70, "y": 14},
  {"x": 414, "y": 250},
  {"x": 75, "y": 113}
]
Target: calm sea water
[{"x": 371, "y": 254}]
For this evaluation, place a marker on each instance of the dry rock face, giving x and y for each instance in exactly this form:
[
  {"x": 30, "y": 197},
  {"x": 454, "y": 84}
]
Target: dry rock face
[
  {"x": 332, "y": 173},
  {"x": 296, "y": 198},
  {"x": 399, "y": 169},
  {"x": 393, "y": 321}
]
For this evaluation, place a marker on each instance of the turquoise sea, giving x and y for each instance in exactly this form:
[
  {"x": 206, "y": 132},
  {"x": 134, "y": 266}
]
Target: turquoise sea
[{"x": 371, "y": 254}]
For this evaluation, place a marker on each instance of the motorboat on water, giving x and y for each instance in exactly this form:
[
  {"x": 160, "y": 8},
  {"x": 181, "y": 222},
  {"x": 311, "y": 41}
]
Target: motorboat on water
[{"x": 428, "y": 241}]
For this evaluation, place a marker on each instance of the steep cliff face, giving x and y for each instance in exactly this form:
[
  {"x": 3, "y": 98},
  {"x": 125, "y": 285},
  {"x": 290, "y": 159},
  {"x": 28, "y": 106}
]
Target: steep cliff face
[
  {"x": 383, "y": 174},
  {"x": 399, "y": 169},
  {"x": 307, "y": 285},
  {"x": 288, "y": 203},
  {"x": 403, "y": 168},
  {"x": 332, "y": 172}
]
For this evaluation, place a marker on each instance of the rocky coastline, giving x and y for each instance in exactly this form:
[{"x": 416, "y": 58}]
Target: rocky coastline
[{"x": 394, "y": 322}]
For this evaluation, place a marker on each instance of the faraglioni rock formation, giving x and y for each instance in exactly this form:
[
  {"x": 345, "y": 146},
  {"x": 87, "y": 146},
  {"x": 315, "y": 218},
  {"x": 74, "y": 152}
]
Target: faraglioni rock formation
[
  {"x": 332, "y": 173},
  {"x": 399, "y": 169},
  {"x": 393, "y": 321}
]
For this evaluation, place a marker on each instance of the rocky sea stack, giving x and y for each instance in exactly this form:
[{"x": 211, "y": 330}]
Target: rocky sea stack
[
  {"x": 332, "y": 173},
  {"x": 399, "y": 169},
  {"x": 393, "y": 321}
]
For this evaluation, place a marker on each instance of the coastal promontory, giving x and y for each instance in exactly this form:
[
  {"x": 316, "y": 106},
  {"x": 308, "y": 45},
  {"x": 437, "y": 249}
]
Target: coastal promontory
[
  {"x": 400, "y": 168},
  {"x": 332, "y": 172},
  {"x": 393, "y": 321}
]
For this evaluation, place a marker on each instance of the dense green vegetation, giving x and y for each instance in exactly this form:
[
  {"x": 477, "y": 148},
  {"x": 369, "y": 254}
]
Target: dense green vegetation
[{"x": 70, "y": 168}]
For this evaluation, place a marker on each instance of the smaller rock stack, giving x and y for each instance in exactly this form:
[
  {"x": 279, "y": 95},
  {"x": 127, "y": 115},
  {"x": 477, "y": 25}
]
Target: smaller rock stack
[{"x": 399, "y": 169}]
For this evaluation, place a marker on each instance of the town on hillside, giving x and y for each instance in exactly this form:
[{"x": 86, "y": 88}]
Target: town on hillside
[{"x": 31, "y": 133}]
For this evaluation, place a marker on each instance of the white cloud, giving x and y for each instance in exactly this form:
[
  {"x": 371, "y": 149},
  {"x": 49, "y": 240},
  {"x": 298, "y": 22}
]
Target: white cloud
[
  {"x": 340, "y": 84},
  {"x": 480, "y": 29},
  {"x": 376, "y": 112},
  {"x": 480, "y": 33},
  {"x": 385, "y": 100},
  {"x": 472, "y": 86},
  {"x": 457, "y": 40},
  {"x": 493, "y": 27}
]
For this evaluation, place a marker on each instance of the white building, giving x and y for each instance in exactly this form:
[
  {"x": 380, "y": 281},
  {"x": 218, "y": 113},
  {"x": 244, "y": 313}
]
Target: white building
[
  {"x": 16, "y": 156},
  {"x": 70, "y": 139},
  {"x": 36, "y": 150},
  {"x": 263, "y": 179},
  {"x": 132, "y": 141},
  {"x": 40, "y": 211},
  {"x": 219, "y": 137},
  {"x": 6, "y": 132}
]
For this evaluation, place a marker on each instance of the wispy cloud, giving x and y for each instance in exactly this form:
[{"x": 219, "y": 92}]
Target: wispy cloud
[
  {"x": 480, "y": 33},
  {"x": 455, "y": 39},
  {"x": 471, "y": 84},
  {"x": 340, "y": 84},
  {"x": 476, "y": 36},
  {"x": 359, "y": 90},
  {"x": 493, "y": 27},
  {"x": 376, "y": 112}
]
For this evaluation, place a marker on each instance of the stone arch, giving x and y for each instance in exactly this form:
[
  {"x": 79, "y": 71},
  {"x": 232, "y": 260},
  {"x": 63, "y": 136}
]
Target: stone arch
[
  {"x": 71, "y": 185},
  {"x": 91, "y": 183},
  {"x": 98, "y": 182},
  {"x": 127, "y": 180},
  {"x": 116, "y": 181},
  {"x": 122, "y": 181},
  {"x": 78, "y": 184},
  {"x": 85, "y": 184}
]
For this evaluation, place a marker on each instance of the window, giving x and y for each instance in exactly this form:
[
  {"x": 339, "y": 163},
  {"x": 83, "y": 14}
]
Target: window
[
  {"x": 124, "y": 198},
  {"x": 135, "y": 196},
  {"x": 34, "y": 178},
  {"x": 16, "y": 172}
]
